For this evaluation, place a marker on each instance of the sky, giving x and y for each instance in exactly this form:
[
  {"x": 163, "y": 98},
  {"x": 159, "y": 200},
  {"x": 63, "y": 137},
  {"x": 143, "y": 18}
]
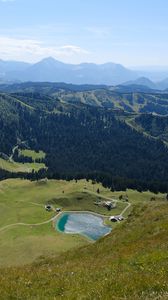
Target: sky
[{"x": 129, "y": 32}]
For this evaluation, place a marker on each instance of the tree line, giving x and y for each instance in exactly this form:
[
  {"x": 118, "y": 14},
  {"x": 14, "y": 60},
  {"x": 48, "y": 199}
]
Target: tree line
[{"x": 85, "y": 142}]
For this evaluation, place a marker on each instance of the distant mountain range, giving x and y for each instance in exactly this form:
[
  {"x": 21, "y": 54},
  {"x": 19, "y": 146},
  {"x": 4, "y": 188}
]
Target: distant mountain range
[
  {"x": 51, "y": 70},
  {"x": 143, "y": 81}
]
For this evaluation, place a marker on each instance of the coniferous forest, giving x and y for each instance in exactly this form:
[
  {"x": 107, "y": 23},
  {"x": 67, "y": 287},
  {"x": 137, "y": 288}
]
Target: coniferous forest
[{"x": 86, "y": 141}]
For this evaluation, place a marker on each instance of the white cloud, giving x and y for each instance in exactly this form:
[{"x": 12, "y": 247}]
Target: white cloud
[
  {"x": 71, "y": 49},
  {"x": 34, "y": 50}
]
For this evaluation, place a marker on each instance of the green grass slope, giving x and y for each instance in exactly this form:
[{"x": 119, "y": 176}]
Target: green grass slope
[
  {"x": 22, "y": 201},
  {"x": 130, "y": 263},
  {"x": 34, "y": 155},
  {"x": 20, "y": 167}
]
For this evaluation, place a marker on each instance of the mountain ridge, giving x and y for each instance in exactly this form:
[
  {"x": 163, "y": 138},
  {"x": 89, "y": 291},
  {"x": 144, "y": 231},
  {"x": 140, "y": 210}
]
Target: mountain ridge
[
  {"x": 144, "y": 81},
  {"x": 50, "y": 69}
]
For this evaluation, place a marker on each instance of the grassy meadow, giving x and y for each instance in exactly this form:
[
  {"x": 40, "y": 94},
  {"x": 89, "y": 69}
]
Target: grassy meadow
[
  {"x": 22, "y": 201},
  {"x": 31, "y": 153},
  {"x": 20, "y": 167},
  {"x": 130, "y": 263}
]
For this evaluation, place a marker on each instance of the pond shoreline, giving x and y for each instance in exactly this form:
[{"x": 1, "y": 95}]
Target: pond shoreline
[{"x": 68, "y": 213}]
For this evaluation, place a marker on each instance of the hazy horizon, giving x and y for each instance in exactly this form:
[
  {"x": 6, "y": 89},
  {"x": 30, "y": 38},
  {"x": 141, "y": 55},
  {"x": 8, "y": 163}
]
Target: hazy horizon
[
  {"x": 151, "y": 68},
  {"x": 77, "y": 31}
]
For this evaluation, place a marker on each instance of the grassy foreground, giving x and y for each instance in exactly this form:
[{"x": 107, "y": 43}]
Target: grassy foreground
[
  {"x": 37, "y": 262},
  {"x": 22, "y": 201},
  {"x": 130, "y": 263}
]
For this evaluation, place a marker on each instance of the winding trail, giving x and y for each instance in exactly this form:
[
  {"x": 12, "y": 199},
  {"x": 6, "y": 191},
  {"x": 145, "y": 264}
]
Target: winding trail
[
  {"x": 33, "y": 203},
  {"x": 125, "y": 209},
  {"x": 28, "y": 225},
  {"x": 12, "y": 154},
  {"x": 57, "y": 215},
  {"x": 111, "y": 199}
]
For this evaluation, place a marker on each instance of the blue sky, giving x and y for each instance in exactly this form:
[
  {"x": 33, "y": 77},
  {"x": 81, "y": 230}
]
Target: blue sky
[{"x": 130, "y": 32}]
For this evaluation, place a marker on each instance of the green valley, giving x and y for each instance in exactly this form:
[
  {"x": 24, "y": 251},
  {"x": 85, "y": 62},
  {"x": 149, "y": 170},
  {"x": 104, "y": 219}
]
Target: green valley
[
  {"x": 83, "y": 150},
  {"x": 67, "y": 149}
]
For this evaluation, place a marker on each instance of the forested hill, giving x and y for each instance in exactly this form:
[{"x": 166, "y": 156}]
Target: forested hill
[
  {"x": 133, "y": 98},
  {"x": 154, "y": 125},
  {"x": 82, "y": 140}
]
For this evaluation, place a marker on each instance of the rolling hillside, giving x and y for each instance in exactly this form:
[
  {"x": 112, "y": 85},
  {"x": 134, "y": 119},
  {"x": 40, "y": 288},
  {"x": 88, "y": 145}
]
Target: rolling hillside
[
  {"x": 115, "y": 138},
  {"x": 132, "y": 98},
  {"x": 130, "y": 263},
  {"x": 83, "y": 138}
]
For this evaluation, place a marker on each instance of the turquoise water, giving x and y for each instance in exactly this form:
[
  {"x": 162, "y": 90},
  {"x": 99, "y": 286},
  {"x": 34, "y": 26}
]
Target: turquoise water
[{"x": 83, "y": 223}]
